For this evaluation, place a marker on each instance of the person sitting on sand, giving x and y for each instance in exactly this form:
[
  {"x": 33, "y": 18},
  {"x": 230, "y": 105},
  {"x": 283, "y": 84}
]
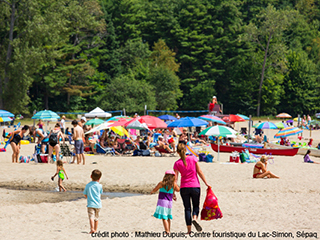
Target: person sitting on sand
[
  {"x": 183, "y": 138},
  {"x": 260, "y": 169},
  {"x": 162, "y": 144},
  {"x": 307, "y": 158}
]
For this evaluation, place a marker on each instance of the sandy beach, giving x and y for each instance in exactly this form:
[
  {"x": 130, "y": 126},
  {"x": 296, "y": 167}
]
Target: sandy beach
[{"x": 32, "y": 209}]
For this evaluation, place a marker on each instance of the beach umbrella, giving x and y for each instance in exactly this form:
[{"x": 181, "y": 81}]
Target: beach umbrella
[
  {"x": 103, "y": 126},
  {"x": 243, "y": 116},
  {"x": 314, "y": 122},
  {"x": 137, "y": 125},
  {"x": 168, "y": 118},
  {"x": 219, "y": 131},
  {"x": 5, "y": 119},
  {"x": 46, "y": 115},
  {"x": 266, "y": 125},
  {"x": 283, "y": 115},
  {"x": 95, "y": 121},
  {"x": 296, "y": 119},
  {"x": 117, "y": 118},
  {"x": 289, "y": 121},
  {"x": 152, "y": 122},
  {"x": 212, "y": 118},
  {"x": 120, "y": 131},
  {"x": 4, "y": 113},
  {"x": 281, "y": 125},
  {"x": 289, "y": 131},
  {"x": 188, "y": 122},
  {"x": 233, "y": 118}
]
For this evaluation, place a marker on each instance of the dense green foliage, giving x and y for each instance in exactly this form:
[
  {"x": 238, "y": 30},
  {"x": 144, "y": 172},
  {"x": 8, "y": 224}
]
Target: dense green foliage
[{"x": 257, "y": 57}]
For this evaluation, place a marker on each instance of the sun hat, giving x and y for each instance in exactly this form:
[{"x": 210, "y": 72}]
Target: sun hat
[
  {"x": 170, "y": 172},
  {"x": 84, "y": 119},
  {"x": 214, "y": 97}
]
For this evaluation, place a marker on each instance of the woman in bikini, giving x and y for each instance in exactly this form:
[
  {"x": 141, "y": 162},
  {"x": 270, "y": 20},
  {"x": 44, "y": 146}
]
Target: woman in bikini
[
  {"x": 15, "y": 139},
  {"x": 260, "y": 169}
]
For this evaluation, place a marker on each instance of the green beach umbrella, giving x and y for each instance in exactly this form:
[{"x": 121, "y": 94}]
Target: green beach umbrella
[
  {"x": 95, "y": 121},
  {"x": 219, "y": 131},
  {"x": 281, "y": 125}
]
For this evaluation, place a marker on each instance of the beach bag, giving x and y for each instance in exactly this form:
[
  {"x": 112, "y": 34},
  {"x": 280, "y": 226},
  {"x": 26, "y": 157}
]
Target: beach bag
[
  {"x": 202, "y": 157},
  {"x": 53, "y": 139},
  {"x": 209, "y": 158},
  {"x": 210, "y": 209}
]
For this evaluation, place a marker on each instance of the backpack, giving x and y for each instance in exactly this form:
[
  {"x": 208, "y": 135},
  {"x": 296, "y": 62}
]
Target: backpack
[{"x": 53, "y": 139}]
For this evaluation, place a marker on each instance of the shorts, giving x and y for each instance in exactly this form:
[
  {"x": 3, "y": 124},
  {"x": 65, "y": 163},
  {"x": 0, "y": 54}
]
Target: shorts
[
  {"x": 93, "y": 213},
  {"x": 79, "y": 146},
  {"x": 310, "y": 161}
]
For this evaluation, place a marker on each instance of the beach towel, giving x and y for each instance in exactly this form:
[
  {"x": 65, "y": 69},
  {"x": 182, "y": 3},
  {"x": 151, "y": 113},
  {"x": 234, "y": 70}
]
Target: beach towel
[{"x": 210, "y": 208}]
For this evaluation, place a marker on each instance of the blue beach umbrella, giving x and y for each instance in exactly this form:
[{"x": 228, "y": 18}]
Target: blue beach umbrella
[
  {"x": 4, "y": 113},
  {"x": 46, "y": 115},
  {"x": 168, "y": 118},
  {"x": 266, "y": 125},
  {"x": 188, "y": 122}
]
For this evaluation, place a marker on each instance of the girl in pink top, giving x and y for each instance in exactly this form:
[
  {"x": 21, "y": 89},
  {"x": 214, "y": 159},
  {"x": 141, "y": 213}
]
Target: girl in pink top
[{"x": 189, "y": 169}]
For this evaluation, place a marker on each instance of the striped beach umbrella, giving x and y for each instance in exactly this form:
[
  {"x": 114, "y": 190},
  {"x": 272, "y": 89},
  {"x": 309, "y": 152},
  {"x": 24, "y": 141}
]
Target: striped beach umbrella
[
  {"x": 117, "y": 118},
  {"x": 4, "y": 113},
  {"x": 281, "y": 125},
  {"x": 243, "y": 116},
  {"x": 266, "y": 125},
  {"x": 5, "y": 119},
  {"x": 220, "y": 131},
  {"x": 289, "y": 131},
  {"x": 212, "y": 118},
  {"x": 284, "y": 115},
  {"x": 47, "y": 115}
]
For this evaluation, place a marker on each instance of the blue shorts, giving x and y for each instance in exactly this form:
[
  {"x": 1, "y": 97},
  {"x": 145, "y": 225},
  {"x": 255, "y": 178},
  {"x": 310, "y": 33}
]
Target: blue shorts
[{"x": 310, "y": 161}]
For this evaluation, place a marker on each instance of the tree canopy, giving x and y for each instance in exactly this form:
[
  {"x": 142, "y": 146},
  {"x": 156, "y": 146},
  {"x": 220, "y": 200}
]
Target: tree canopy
[{"x": 257, "y": 57}]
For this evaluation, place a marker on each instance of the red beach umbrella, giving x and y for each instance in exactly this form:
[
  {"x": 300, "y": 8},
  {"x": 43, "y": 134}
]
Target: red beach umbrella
[
  {"x": 152, "y": 122},
  {"x": 233, "y": 118}
]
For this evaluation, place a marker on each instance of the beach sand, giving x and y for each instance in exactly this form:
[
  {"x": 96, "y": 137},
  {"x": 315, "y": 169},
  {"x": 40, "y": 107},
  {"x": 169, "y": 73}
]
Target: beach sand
[{"x": 31, "y": 209}]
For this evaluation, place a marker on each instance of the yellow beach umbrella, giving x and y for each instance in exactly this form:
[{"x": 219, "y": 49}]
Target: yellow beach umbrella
[{"x": 120, "y": 131}]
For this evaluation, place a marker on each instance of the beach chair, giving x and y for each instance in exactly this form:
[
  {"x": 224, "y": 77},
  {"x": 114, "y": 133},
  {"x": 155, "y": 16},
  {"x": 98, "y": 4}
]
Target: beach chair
[
  {"x": 65, "y": 151},
  {"x": 105, "y": 151},
  {"x": 163, "y": 151}
]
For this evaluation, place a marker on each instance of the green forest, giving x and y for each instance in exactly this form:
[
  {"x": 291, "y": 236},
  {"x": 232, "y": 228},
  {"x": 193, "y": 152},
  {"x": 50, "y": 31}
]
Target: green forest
[{"x": 259, "y": 57}]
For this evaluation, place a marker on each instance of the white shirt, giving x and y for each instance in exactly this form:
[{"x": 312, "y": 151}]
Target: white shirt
[{"x": 63, "y": 124}]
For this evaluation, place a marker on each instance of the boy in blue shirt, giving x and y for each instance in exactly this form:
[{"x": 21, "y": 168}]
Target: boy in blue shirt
[{"x": 92, "y": 192}]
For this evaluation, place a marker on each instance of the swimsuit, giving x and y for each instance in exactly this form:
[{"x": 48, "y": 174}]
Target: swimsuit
[
  {"x": 16, "y": 139},
  {"x": 61, "y": 174},
  {"x": 256, "y": 174}
]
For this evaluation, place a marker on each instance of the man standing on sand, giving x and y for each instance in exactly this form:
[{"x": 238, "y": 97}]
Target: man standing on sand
[
  {"x": 63, "y": 124},
  {"x": 78, "y": 136},
  {"x": 82, "y": 121}
]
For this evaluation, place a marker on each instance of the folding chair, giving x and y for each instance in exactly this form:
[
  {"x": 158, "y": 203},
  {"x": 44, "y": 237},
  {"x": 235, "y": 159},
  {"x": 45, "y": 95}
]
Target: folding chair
[
  {"x": 105, "y": 151},
  {"x": 65, "y": 151}
]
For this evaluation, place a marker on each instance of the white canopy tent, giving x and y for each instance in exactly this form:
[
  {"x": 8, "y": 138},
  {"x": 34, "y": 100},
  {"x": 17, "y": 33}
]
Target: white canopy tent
[{"x": 98, "y": 112}]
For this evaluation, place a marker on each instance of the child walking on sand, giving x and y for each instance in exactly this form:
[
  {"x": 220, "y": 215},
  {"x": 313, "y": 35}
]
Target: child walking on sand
[
  {"x": 60, "y": 172},
  {"x": 167, "y": 187},
  {"x": 92, "y": 192}
]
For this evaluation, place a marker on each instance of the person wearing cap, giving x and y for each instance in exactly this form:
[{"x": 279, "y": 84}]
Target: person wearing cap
[
  {"x": 212, "y": 104},
  {"x": 82, "y": 121},
  {"x": 189, "y": 169}
]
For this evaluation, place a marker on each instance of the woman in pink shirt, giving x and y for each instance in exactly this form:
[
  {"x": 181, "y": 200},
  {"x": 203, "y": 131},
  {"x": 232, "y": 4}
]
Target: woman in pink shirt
[{"x": 189, "y": 169}]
